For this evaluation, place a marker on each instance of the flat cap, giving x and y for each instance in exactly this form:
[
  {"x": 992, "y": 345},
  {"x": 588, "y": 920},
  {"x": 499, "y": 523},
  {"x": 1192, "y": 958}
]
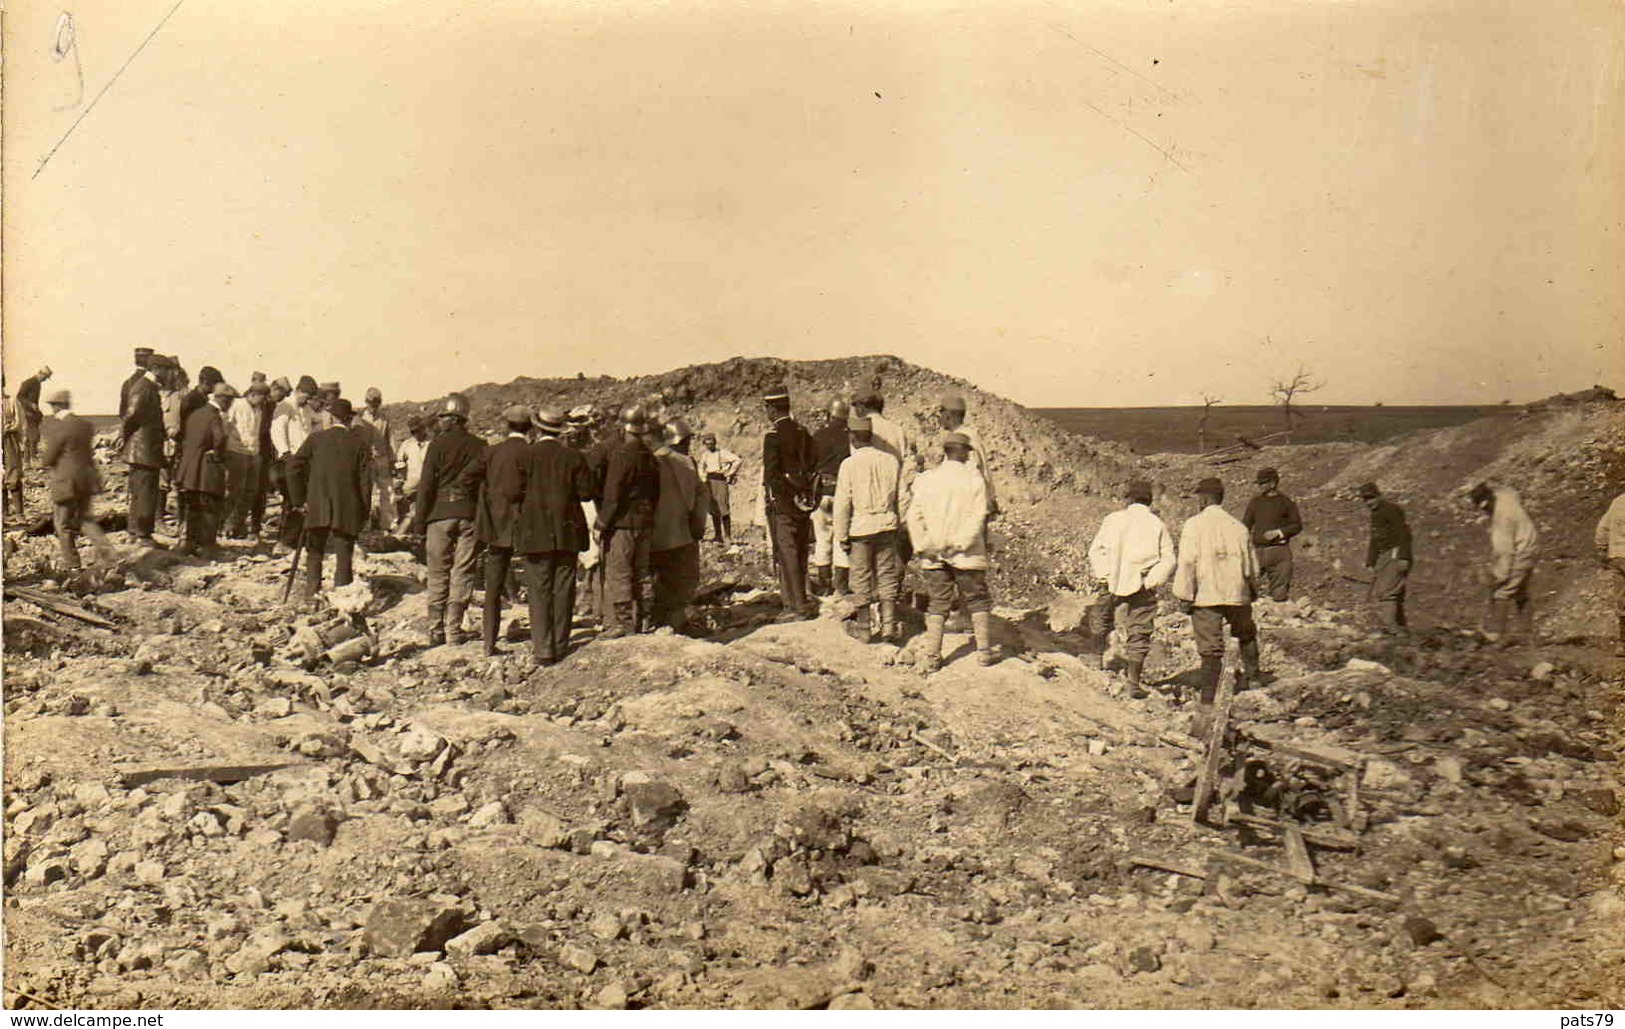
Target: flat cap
[
  {"x": 223, "y": 389},
  {"x": 1139, "y": 491},
  {"x": 60, "y": 396},
  {"x": 956, "y": 439},
  {"x": 1267, "y": 475},
  {"x": 953, "y": 402},
  {"x": 516, "y": 414},
  {"x": 1210, "y": 486},
  {"x": 307, "y": 385},
  {"x": 1369, "y": 490}
]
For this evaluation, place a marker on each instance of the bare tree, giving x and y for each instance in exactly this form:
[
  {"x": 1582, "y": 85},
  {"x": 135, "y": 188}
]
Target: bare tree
[
  {"x": 1285, "y": 391},
  {"x": 1208, "y": 403}
]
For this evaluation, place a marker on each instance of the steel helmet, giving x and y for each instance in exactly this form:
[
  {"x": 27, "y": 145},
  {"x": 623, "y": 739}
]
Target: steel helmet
[
  {"x": 635, "y": 418},
  {"x": 839, "y": 410},
  {"x": 455, "y": 405},
  {"x": 677, "y": 431}
]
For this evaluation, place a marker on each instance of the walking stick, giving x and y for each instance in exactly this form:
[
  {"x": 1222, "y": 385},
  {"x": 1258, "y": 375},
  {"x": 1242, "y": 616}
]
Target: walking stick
[{"x": 293, "y": 567}]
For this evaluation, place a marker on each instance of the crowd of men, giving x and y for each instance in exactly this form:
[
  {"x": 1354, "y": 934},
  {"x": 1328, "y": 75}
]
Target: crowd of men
[{"x": 619, "y": 501}]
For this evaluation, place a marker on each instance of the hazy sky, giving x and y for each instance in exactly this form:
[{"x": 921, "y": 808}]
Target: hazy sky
[{"x": 1124, "y": 202}]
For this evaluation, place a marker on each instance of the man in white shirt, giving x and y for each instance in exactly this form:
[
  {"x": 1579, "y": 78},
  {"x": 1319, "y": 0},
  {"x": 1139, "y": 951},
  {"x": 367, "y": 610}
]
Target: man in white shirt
[
  {"x": 291, "y": 424},
  {"x": 1131, "y": 556},
  {"x": 1216, "y": 581},
  {"x": 243, "y": 455},
  {"x": 951, "y": 415},
  {"x": 947, "y": 523},
  {"x": 866, "y": 524},
  {"x": 719, "y": 468},
  {"x": 409, "y": 466},
  {"x": 373, "y": 420}
]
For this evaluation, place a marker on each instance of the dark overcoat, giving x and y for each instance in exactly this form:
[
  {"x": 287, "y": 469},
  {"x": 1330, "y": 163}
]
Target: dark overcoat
[
  {"x": 557, "y": 480},
  {"x": 328, "y": 475}
]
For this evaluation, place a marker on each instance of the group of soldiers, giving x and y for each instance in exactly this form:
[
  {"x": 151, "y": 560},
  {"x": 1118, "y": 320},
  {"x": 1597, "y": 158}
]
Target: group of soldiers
[{"x": 621, "y": 499}]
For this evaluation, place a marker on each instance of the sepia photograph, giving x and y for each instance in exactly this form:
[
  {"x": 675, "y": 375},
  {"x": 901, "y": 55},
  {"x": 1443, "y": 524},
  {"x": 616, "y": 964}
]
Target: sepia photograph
[{"x": 744, "y": 505}]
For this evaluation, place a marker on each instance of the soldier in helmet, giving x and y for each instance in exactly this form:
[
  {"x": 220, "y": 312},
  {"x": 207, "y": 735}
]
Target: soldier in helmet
[
  {"x": 625, "y": 526},
  {"x": 831, "y": 446},
  {"x": 445, "y": 515},
  {"x": 679, "y": 526}
]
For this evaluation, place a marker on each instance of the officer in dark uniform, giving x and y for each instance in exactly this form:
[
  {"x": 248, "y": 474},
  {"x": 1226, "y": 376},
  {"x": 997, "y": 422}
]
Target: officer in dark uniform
[
  {"x": 445, "y": 515},
  {"x": 787, "y": 485}
]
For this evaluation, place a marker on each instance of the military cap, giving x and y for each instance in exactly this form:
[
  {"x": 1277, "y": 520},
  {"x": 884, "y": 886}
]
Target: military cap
[
  {"x": 953, "y": 402},
  {"x": 779, "y": 392},
  {"x": 373, "y": 393},
  {"x": 956, "y": 439},
  {"x": 342, "y": 409},
  {"x": 282, "y": 381},
  {"x": 330, "y": 387},
  {"x": 860, "y": 423},
  {"x": 516, "y": 414},
  {"x": 839, "y": 409},
  {"x": 1211, "y": 487},
  {"x": 307, "y": 386},
  {"x": 143, "y": 355},
  {"x": 258, "y": 387},
  {"x": 1267, "y": 475},
  {"x": 60, "y": 398},
  {"x": 1369, "y": 491},
  {"x": 1139, "y": 491},
  {"x": 256, "y": 377}
]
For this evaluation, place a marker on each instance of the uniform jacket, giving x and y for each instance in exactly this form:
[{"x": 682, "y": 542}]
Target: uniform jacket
[
  {"x": 631, "y": 488},
  {"x": 143, "y": 424},
  {"x": 557, "y": 482},
  {"x": 28, "y": 398},
  {"x": 124, "y": 392},
  {"x": 684, "y": 502},
  {"x": 67, "y": 443},
  {"x": 787, "y": 465},
  {"x": 1514, "y": 540},
  {"x": 328, "y": 475},
  {"x": 1217, "y": 565},
  {"x": 441, "y": 493},
  {"x": 1272, "y": 511},
  {"x": 1132, "y": 551},
  {"x": 831, "y": 445},
  {"x": 203, "y": 451},
  {"x": 866, "y": 493},
  {"x": 947, "y": 520},
  {"x": 499, "y": 481},
  {"x": 597, "y": 458},
  {"x": 1611, "y": 529},
  {"x": 1388, "y": 532}
]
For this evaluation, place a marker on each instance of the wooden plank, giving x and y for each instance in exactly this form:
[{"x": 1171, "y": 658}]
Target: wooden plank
[
  {"x": 1298, "y": 861},
  {"x": 1207, "y": 780},
  {"x": 220, "y": 773},
  {"x": 1350, "y": 888},
  {"x": 55, "y": 606},
  {"x": 1164, "y": 865},
  {"x": 1326, "y": 839}
]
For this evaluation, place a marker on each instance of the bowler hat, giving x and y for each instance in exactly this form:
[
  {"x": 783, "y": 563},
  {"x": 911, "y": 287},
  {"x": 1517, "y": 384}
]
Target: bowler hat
[
  {"x": 209, "y": 374},
  {"x": 341, "y": 409},
  {"x": 1267, "y": 475}
]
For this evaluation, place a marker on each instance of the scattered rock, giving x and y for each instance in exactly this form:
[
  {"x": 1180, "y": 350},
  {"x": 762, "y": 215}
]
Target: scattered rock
[
  {"x": 254, "y": 957},
  {"x": 606, "y": 925},
  {"x": 1360, "y": 664},
  {"x": 1543, "y": 671},
  {"x": 654, "y": 805},
  {"x": 1421, "y": 930},
  {"x": 1144, "y": 959},
  {"x": 316, "y": 824},
  {"x": 488, "y": 814},
  {"x": 485, "y": 938},
  {"x": 612, "y": 997},
  {"x": 398, "y": 928},
  {"x": 452, "y": 805},
  {"x": 579, "y": 958},
  {"x": 440, "y": 978}
]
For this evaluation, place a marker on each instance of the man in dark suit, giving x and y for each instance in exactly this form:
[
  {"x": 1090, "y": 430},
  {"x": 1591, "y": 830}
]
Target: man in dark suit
[
  {"x": 143, "y": 355},
  {"x": 787, "y": 480},
  {"x": 141, "y": 438},
  {"x": 202, "y": 473},
  {"x": 328, "y": 476},
  {"x": 445, "y": 516},
  {"x": 551, "y": 532},
  {"x": 625, "y": 527},
  {"x": 499, "y": 482},
  {"x": 71, "y": 477}
]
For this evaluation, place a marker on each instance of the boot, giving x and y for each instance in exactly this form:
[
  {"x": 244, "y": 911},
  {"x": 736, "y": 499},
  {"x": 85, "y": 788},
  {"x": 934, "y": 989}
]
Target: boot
[
  {"x": 1208, "y": 679},
  {"x": 818, "y": 581},
  {"x": 1251, "y": 674},
  {"x": 843, "y": 581},
  {"x": 454, "y": 624},
  {"x": 981, "y": 623},
  {"x": 931, "y": 660},
  {"x": 489, "y": 624},
  {"x": 1495, "y": 623},
  {"x": 1134, "y": 669},
  {"x": 1523, "y": 622},
  {"x": 1389, "y": 610},
  {"x": 860, "y": 625},
  {"x": 890, "y": 631}
]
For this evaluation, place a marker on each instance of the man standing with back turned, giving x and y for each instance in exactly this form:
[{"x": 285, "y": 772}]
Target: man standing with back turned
[
  {"x": 788, "y": 495},
  {"x": 445, "y": 516},
  {"x": 1216, "y": 579},
  {"x": 1273, "y": 520},
  {"x": 1132, "y": 556},
  {"x": 328, "y": 476}
]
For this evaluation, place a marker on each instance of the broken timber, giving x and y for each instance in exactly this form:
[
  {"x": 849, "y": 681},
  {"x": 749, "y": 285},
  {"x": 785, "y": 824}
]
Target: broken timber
[
  {"x": 223, "y": 774},
  {"x": 49, "y": 603}
]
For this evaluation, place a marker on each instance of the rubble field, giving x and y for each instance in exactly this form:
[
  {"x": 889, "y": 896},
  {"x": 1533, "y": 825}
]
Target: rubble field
[{"x": 213, "y": 799}]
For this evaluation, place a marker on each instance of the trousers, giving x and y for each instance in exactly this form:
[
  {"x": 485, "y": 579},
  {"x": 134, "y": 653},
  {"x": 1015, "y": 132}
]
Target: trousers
[
  {"x": 1275, "y": 571},
  {"x": 202, "y": 517},
  {"x": 242, "y": 488},
  {"x": 70, "y": 518},
  {"x": 316, "y": 541},
  {"x": 497, "y": 562},
  {"x": 628, "y": 579},
  {"x": 969, "y": 584},
  {"x": 453, "y": 554},
  {"x": 676, "y": 578},
  {"x": 143, "y": 500},
  {"x": 1135, "y": 614},
  {"x": 827, "y": 550},
  {"x": 1208, "y": 624},
  {"x": 550, "y": 579},
  {"x": 876, "y": 571},
  {"x": 791, "y": 532}
]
